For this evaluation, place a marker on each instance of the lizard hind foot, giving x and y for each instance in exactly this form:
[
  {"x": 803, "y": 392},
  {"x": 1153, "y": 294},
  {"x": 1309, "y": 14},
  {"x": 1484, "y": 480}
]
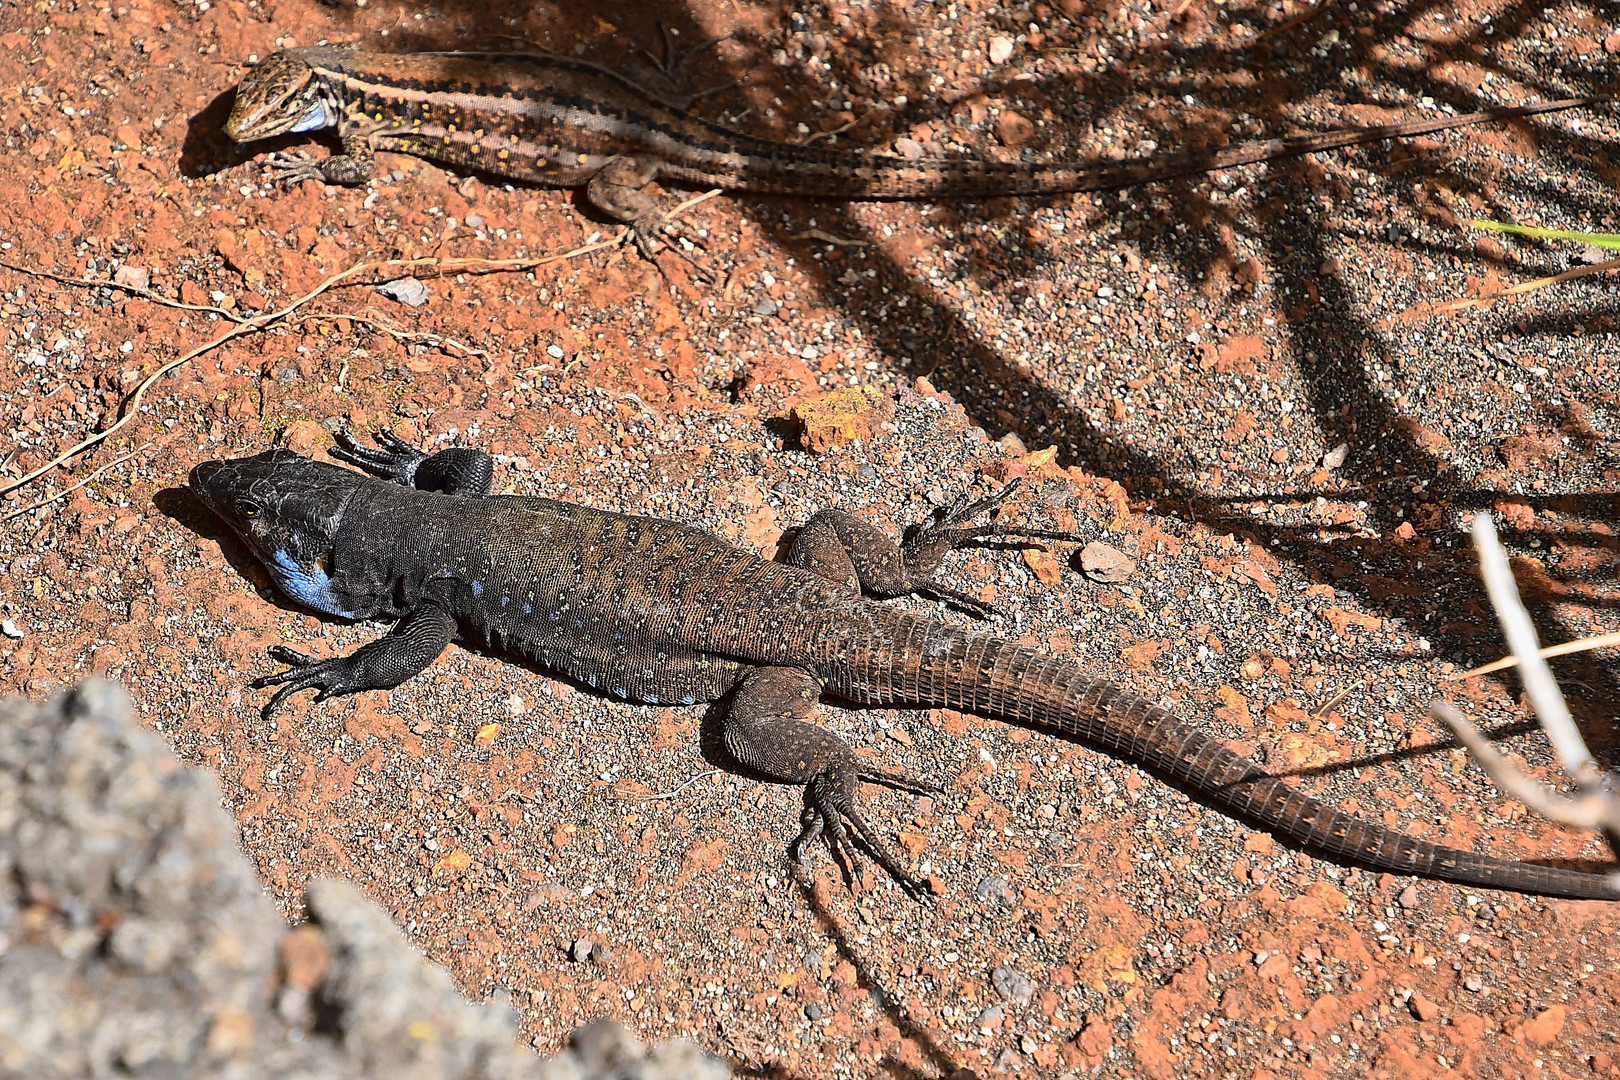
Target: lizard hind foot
[
  {"x": 926, "y": 543},
  {"x": 830, "y": 811}
]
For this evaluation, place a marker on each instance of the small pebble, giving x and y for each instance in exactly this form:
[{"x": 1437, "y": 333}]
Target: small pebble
[
  {"x": 580, "y": 951},
  {"x": 1013, "y": 985},
  {"x": 1408, "y": 898},
  {"x": 1106, "y": 565},
  {"x": 408, "y": 291},
  {"x": 10, "y": 629}
]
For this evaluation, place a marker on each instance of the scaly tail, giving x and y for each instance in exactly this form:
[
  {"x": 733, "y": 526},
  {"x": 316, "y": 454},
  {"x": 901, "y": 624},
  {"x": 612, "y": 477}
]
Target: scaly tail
[{"x": 941, "y": 666}]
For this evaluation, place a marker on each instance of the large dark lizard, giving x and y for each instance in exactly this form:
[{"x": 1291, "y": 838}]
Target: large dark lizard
[{"x": 656, "y": 611}]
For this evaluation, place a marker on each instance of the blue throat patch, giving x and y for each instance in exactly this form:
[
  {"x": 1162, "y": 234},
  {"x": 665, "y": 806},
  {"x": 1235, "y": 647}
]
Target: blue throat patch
[{"x": 310, "y": 587}]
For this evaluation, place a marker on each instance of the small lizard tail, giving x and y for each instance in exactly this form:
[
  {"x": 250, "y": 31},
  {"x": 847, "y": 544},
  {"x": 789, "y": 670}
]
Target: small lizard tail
[
  {"x": 942, "y": 666},
  {"x": 741, "y": 161}
]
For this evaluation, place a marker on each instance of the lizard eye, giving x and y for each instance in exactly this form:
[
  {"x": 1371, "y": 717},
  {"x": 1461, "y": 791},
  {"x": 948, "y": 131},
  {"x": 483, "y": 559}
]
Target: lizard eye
[{"x": 247, "y": 508}]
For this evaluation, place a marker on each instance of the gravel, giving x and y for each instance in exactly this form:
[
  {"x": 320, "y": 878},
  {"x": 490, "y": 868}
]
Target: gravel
[{"x": 136, "y": 940}]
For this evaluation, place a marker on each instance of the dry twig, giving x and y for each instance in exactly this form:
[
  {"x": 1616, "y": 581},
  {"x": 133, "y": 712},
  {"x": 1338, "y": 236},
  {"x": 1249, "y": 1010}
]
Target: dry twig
[
  {"x": 65, "y": 492},
  {"x": 431, "y": 265},
  {"x": 1586, "y": 644},
  {"x": 1597, "y": 805}
]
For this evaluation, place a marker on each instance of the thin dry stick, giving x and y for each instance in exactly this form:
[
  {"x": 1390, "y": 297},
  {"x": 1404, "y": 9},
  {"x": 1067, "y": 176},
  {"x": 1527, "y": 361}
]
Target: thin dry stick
[
  {"x": 1524, "y": 287},
  {"x": 1597, "y": 805},
  {"x": 1601, "y": 641},
  {"x": 259, "y": 322},
  {"x": 68, "y": 491},
  {"x": 675, "y": 791},
  {"x": 1539, "y": 685},
  {"x": 94, "y": 283},
  {"x": 393, "y": 331},
  {"x": 1593, "y": 810}
]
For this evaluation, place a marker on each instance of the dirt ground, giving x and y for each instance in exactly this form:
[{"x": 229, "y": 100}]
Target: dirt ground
[{"x": 1243, "y": 382}]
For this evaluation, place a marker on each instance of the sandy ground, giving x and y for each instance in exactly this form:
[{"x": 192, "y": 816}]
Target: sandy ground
[{"x": 1196, "y": 354}]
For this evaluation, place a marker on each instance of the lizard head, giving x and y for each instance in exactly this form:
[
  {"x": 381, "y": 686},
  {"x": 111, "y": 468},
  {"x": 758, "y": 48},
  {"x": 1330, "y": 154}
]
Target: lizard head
[
  {"x": 280, "y": 96},
  {"x": 287, "y": 509}
]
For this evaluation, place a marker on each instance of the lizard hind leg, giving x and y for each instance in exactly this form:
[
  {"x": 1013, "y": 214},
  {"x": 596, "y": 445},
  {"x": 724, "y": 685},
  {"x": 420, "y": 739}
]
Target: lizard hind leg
[
  {"x": 846, "y": 550},
  {"x": 765, "y": 728}
]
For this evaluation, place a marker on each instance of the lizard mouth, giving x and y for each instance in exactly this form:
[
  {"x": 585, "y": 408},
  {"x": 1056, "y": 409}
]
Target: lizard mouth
[{"x": 202, "y": 477}]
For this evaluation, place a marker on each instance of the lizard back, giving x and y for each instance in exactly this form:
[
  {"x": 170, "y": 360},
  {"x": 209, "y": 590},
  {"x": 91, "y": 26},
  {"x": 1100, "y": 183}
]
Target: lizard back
[{"x": 559, "y": 121}]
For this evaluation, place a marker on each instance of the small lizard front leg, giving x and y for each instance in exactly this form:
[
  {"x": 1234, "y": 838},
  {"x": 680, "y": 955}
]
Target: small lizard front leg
[
  {"x": 617, "y": 190},
  {"x": 351, "y": 168},
  {"x": 413, "y": 644},
  {"x": 766, "y": 729}
]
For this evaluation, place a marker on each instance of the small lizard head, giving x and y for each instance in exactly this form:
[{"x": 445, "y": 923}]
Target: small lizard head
[
  {"x": 287, "y": 509},
  {"x": 279, "y": 97}
]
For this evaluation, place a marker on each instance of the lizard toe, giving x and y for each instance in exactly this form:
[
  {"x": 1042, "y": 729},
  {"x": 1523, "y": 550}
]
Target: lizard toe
[{"x": 830, "y": 798}]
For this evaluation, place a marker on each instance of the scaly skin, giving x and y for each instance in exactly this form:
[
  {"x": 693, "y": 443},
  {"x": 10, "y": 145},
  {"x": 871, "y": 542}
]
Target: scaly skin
[
  {"x": 656, "y": 611},
  {"x": 564, "y": 122}
]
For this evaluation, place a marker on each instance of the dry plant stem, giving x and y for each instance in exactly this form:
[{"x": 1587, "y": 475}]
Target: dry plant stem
[
  {"x": 133, "y": 290},
  {"x": 435, "y": 265},
  {"x": 1597, "y": 805},
  {"x": 1587, "y": 644},
  {"x": 65, "y": 492},
  {"x": 1595, "y": 809},
  {"x": 1525, "y": 287},
  {"x": 394, "y": 332},
  {"x": 1546, "y": 700}
]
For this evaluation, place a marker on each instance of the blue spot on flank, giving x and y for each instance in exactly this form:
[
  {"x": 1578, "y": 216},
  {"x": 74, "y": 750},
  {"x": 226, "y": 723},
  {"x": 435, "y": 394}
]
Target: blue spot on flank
[
  {"x": 478, "y": 588},
  {"x": 527, "y": 609},
  {"x": 553, "y": 616},
  {"x": 688, "y": 700},
  {"x": 505, "y": 600},
  {"x": 310, "y": 587},
  {"x": 579, "y": 624},
  {"x": 590, "y": 680},
  {"x": 621, "y": 691}
]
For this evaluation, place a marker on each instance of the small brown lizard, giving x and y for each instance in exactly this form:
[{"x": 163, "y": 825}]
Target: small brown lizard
[{"x": 564, "y": 122}]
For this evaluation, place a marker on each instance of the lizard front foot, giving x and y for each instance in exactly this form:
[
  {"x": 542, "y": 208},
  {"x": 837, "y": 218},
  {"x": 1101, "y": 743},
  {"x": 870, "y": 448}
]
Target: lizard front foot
[
  {"x": 330, "y": 676},
  {"x": 380, "y": 665},
  {"x": 926, "y": 544},
  {"x": 341, "y": 169},
  {"x": 456, "y": 471}
]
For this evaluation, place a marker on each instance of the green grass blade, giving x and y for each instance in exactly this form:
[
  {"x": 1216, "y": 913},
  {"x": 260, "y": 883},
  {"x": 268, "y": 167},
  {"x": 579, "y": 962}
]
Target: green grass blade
[{"x": 1602, "y": 240}]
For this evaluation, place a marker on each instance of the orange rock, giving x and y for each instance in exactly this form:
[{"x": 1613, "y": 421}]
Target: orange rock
[
  {"x": 1545, "y": 1026},
  {"x": 304, "y": 958},
  {"x": 840, "y": 417},
  {"x": 302, "y": 435}
]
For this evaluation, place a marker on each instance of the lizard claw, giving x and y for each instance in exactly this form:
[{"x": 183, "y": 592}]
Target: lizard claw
[
  {"x": 829, "y": 804},
  {"x": 328, "y": 676}
]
